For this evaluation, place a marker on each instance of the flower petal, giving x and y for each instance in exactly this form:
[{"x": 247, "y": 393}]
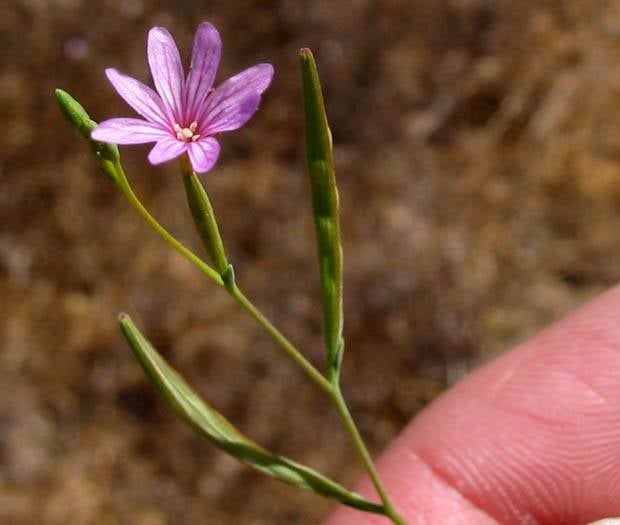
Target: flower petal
[
  {"x": 128, "y": 131},
  {"x": 230, "y": 117},
  {"x": 233, "y": 103},
  {"x": 203, "y": 154},
  {"x": 139, "y": 96},
  {"x": 167, "y": 149},
  {"x": 166, "y": 69},
  {"x": 205, "y": 61}
]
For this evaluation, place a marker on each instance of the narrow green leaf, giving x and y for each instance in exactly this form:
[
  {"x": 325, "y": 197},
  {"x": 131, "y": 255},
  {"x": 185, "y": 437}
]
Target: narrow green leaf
[
  {"x": 207, "y": 422},
  {"x": 325, "y": 209},
  {"x": 204, "y": 217},
  {"x": 106, "y": 155}
]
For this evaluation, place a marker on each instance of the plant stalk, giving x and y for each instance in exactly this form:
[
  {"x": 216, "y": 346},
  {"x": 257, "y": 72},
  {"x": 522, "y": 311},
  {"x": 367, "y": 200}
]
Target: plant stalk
[
  {"x": 282, "y": 341},
  {"x": 234, "y": 291},
  {"x": 364, "y": 455},
  {"x": 332, "y": 390}
]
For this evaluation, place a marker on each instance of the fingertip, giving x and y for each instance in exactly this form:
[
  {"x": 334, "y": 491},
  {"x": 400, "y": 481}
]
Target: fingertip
[{"x": 533, "y": 435}]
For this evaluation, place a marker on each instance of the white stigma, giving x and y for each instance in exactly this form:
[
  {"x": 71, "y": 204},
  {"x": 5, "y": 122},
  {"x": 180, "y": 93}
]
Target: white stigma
[{"x": 187, "y": 134}]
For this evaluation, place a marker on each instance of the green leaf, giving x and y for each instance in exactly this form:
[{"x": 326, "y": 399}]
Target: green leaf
[
  {"x": 325, "y": 209},
  {"x": 106, "y": 155},
  {"x": 210, "y": 424}
]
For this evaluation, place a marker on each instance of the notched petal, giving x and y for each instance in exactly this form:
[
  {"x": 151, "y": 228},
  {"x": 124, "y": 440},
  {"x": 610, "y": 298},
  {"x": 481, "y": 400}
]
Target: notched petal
[
  {"x": 139, "y": 96},
  {"x": 256, "y": 78},
  {"x": 234, "y": 102},
  {"x": 203, "y": 154},
  {"x": 167, "y": 149},
  {"x": 232, "y": 116},
  {"x": 166, "y": 69},
  {"x": 128, "y": 131},
  {"x": 205, "y": 62}
]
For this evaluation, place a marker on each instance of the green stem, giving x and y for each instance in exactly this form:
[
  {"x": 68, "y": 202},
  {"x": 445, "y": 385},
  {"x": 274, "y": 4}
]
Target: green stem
[
  {"x": 234, "y": 291},
  {"x": 331, "y": 390},
  {"x": 364, "y": 455},
  {"x": 282, "y": 341}
]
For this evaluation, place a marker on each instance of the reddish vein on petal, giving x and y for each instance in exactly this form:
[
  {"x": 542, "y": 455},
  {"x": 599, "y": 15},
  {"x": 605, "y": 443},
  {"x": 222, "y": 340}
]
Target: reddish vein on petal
[
  {"x": 203, "y": 154},
  {"x": 205, "y": 61},
  {"x": 166, "y": 69},
  {"x": 128, "y": 131},
  {"x": 166, "y": 149},
  {"x": 139, "y": 96}
]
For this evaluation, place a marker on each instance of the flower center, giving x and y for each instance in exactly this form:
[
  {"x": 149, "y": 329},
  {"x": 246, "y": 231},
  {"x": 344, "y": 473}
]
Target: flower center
[{"x": 187, "y": 134}]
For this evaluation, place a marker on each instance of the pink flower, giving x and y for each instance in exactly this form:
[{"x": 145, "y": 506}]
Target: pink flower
[{"x": 186, "y": 114}]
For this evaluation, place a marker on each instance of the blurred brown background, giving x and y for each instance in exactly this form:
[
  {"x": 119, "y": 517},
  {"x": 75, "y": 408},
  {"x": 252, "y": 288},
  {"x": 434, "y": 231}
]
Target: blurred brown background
[{"x": 477, "y": 148}]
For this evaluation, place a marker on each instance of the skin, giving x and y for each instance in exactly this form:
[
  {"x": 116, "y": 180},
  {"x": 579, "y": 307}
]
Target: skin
[{"x": 532, "y": 437}]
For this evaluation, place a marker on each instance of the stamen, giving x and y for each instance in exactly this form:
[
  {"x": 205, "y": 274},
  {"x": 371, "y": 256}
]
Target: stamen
[
  {"x": 187, "y": 134},
  {"x": 179, "y": 131}
]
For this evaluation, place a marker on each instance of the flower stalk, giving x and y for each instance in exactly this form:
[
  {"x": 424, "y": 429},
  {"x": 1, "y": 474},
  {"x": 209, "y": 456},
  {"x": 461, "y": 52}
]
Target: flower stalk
[{"x": 364, "y": 455}]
